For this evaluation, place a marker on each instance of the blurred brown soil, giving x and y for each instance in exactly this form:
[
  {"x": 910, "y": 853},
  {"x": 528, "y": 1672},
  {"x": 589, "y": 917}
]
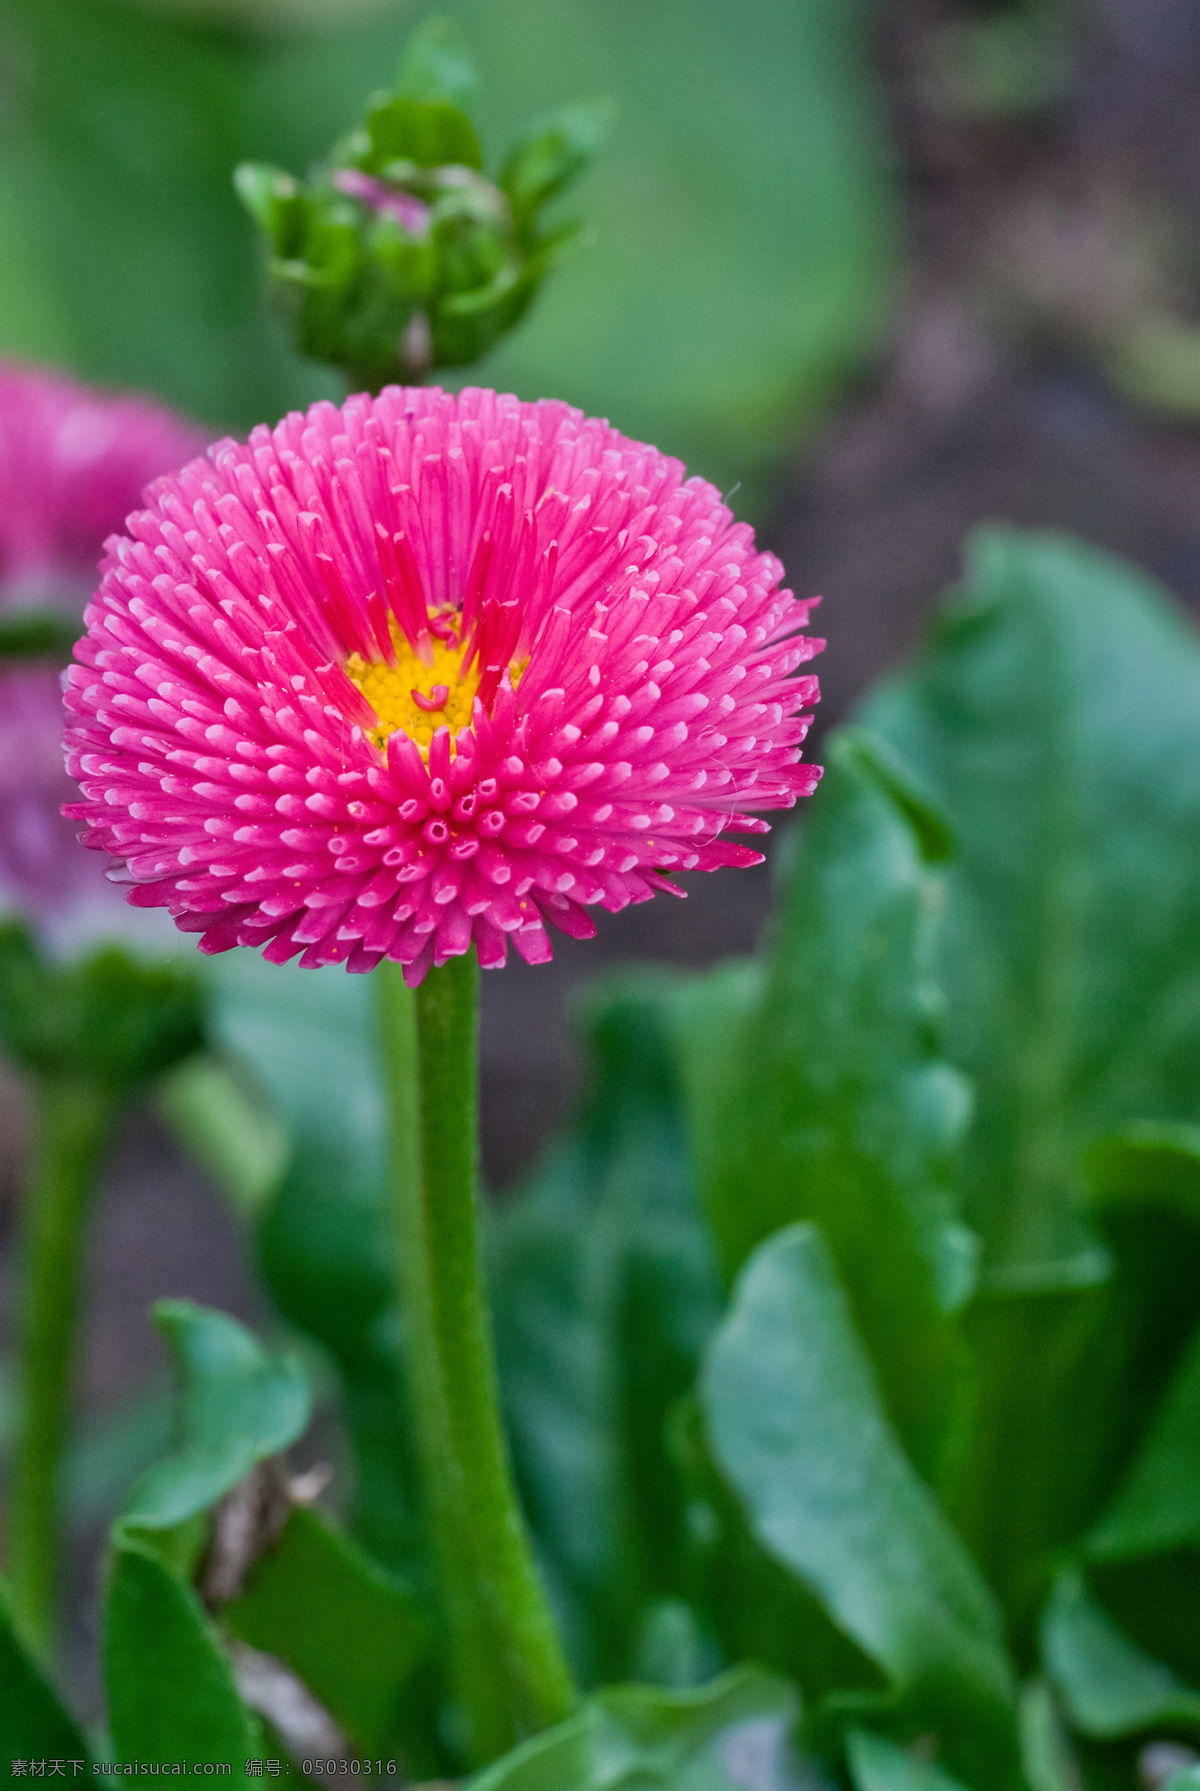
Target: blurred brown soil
[{"x": 992, "y": 402}]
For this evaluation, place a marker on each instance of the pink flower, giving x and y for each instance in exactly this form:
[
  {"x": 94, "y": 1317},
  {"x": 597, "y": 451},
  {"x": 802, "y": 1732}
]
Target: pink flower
[
  {"x": 429, "y": 670},
  {"x": 73, "y": 463}
]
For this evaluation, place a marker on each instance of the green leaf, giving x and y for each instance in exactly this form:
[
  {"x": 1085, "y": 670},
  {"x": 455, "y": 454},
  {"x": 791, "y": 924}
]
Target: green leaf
[
  {"x": 757, "y": 1608},
  {"x": 308, "y": 1038},
  {"x": 821, "y": 1093},
  {"x": 1046, "y": 1753},
  {"x": 1056, "y": 718},
  {"x": 171, "y": 1693},
  {"x": 348, "y": 1629},
  {"x": 633, "y": 1735},
  {"x": 237, "y": 1405},
  {"x": 33, "y": 1723},
  {"x": 1146, "y": 1163},
  {"x": 879, "y": 1765},
  {"x": 1108, "y": 1686},
  {"x": 796, "y": 1425},
  {"x": 1072, "y": 981},
  {"x": 604, "y": 1291},
  {"x": 110, "y": 1451},
  {"x": 1157, "y": 1506}
]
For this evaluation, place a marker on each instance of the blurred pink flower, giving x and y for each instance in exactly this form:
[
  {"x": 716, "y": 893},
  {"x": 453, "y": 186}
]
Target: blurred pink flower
[
  {"x": 73, "y": 463},
  {"x": 431, "y": 670}
]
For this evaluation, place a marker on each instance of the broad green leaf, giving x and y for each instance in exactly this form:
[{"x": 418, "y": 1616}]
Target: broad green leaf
[
  {"x": 237, "y": 1405},
  {"x": 604, "y": 1293},
  {"x": 1055, "y": 716},
  {"x": 822, "y": 1093},
  {"x": 796, "y": 1425},
  {"x": 33, "y": 1723},
  {"x": 1157, "y": 1506},
  {"x": 877, "y": 1764},
  {"x": 1107, "y": 1684},
  {"x": 349, "y": 1630},
  {"x": 171, "y": 1693},
  {"x": 1067, "y": 1382},
  {"x": 731, "y": 1734},
  {"x": 755, "y": 1606}
]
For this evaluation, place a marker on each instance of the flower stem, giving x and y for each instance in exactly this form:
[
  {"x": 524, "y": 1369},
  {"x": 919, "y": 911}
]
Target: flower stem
[
  {"x": 74, "y": 1120},
  {"x": 507, "y": 1666}
]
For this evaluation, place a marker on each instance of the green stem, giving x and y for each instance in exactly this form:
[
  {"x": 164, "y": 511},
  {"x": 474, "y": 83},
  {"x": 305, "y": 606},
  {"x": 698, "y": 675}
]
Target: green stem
[
  {"x": 509, "y": 1673},
  {"x": 73, "y": 1124}
]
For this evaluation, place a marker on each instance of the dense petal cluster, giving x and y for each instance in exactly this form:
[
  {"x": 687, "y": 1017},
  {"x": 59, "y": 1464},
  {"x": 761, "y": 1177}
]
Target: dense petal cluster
[
  {"x": 73, "y": 463},
  {"x": 429, "y": 670}
]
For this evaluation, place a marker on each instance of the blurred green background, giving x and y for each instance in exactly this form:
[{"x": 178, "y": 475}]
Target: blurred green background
[{"x": 745, "y": 234}]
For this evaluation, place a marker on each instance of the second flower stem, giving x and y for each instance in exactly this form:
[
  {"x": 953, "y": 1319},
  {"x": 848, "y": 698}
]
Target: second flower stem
[
  {"x": 510, "y": 1677},
  {"x": 73, "y": 1125}
]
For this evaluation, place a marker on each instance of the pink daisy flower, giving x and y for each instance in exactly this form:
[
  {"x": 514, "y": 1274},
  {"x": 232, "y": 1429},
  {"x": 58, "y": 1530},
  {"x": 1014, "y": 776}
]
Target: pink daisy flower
[
  {"x": 431, "y": 670},
  {"x": 73, "y": 463}
]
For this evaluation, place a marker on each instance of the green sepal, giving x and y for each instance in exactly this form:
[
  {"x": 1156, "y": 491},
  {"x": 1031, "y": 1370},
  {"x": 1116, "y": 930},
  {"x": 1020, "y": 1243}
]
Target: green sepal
[
  {"x": 431, "y": 133},
  {"x": 556, "y": 151},
  {"x": 437, "y": 65}
]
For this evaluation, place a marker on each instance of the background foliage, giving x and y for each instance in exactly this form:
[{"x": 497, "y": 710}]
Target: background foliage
[{"x": 745, "y": 221}]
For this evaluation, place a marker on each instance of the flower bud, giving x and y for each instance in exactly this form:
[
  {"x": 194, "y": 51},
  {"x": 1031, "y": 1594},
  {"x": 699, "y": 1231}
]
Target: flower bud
[{"x": 399, "y": 255}]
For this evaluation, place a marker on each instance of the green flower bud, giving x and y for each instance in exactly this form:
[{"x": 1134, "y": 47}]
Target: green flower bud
[{"x": 399, "y": 255}]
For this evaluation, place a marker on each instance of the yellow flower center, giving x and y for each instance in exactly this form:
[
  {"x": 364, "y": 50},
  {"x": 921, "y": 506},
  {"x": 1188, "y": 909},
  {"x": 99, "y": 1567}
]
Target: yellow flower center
[{"x": 414, "y": 697}]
